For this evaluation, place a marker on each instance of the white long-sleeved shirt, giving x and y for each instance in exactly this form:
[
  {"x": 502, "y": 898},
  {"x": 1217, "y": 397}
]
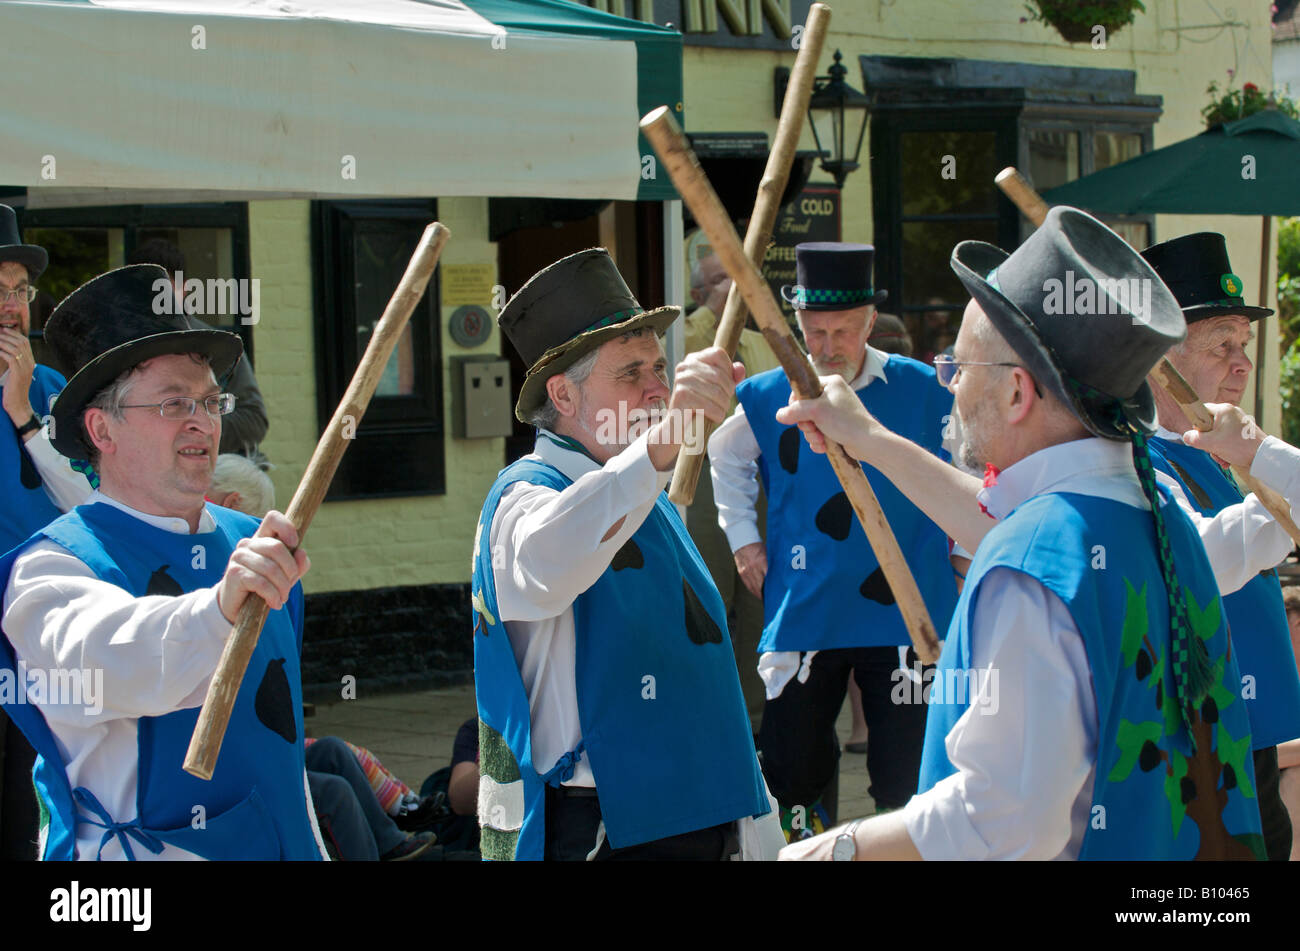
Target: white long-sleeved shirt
[
  {"x": 549, "y": 547},
  {"x": 1243, "y": 539},
  {"x": 156, "y": 653},
  {"x": 65, "y": 487},
  {"x": 1026, "y": 754}
]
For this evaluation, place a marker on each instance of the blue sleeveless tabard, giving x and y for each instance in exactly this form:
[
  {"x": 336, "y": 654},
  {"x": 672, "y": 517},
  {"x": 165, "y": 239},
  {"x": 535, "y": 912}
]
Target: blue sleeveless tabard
[
  {"x": 26, "y": 506},
  {"x": 1270, "y": 685},
  {"x": 1153, "y": 797},
  {"x": 254, "y": 807},
  {"x": 824, "y": 587},
  {"x": 663, "y": 720}
]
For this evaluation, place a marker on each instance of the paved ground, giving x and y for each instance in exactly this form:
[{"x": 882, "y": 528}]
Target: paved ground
[{"x": 412, "y": 734}]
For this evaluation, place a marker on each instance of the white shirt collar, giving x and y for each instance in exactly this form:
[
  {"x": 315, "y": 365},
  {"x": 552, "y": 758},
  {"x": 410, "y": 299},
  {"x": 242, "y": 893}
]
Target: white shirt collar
[
  {"x": 1102, "y": 468},
  {"x": 551, "y": 450},
  {"x": 1171, "y": 436},
  {"x": 873, "y": 368},
  {"x": 168, "y": 524}
]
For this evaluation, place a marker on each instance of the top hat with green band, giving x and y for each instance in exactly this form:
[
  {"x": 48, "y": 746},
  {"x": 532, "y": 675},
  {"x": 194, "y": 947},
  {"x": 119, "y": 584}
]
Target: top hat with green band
[
  {"x": 1105, "y": 342},
  {"x": 832, "y": 275},
  {"x": 1196, "y": 268},
  {"x": 566, "y": 311}
]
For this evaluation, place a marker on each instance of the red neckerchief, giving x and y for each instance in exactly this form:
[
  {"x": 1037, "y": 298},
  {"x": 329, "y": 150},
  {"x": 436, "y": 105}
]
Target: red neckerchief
[{"x": 991, "y": 473}]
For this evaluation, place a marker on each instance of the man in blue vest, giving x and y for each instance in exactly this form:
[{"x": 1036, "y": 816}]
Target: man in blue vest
[
  {"x": 611, "y": 720},
  {"x": 38, "y": 484},
  {"x": 116, "y": 614},
  {"x": 828, "y": 610},
  {"x": 1214, "y": 361},
  {"x": 1084, "y": 705}
]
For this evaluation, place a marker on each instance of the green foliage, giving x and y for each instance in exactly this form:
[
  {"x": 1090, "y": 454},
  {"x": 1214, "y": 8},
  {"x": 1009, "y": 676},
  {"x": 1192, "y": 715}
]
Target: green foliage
[
  {"x": 1135, "y": 622},
  {"x": 1130, "y": 738},
  {"x": 1233, "y": 753},
  {"x": 1111, "y": 14},
  {"x": 1174, "y": 789},
  {"x": 1236, "y": 104}
]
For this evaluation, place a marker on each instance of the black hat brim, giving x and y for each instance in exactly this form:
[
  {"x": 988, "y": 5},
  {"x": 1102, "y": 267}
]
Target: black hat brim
[
  {"x": 31, "y": 256},
  {"x": 1206, "y": 311},
  {"x": 972, "y": 261},
  {"x": 221, "y": 347}
]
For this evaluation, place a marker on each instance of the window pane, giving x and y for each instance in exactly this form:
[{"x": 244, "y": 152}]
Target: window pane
[
  {"x": 208, "y": 254},
  {"x": 1136, "y": 233},
  {"x": 1111, "y": 148},
  {"x": 948, "y": 172},
  {"x": 380, "y": 260},
  {"x": 1053, "y": 157},
  {"x": 928, "y": 280}
]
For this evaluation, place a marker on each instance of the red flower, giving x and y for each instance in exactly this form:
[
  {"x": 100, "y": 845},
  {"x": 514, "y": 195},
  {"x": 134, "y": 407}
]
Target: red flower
[{"x": 1250, "y": 87}]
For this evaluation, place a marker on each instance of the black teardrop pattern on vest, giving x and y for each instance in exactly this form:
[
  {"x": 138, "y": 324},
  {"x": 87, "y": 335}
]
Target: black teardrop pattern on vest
[
  {"x": 700, "y": 627},
  {"x": 160, "y": 582},
  {"x": 835, "y": 517},
  {"x": 876, "y": 588},
  {"x": 28, "y": 474},
  {"x": 629, "y": 556},
  {"x": 274, "y": 701},
  {"x": 788, "y": 450}
]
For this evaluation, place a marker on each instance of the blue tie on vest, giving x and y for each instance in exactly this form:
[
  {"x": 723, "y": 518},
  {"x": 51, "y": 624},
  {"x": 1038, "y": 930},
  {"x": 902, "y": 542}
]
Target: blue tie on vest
[
  {"x": 254, "y": 807},
  {"x": 824, "y": 587},
  {"x": 27, "y": 508},
  {"x": 1152, "y": 798},
  {"x": 1270, "y": 684},
  {"x": 663, "y": 720}
]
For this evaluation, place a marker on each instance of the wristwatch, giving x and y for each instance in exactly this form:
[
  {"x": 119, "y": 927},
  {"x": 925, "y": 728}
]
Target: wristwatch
[
  {"x": 846, "y": 847},
  {"x": 30, "y": 426}
]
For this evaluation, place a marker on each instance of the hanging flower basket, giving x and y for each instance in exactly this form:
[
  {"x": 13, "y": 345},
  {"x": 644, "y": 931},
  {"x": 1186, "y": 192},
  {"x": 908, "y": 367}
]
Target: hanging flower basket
[{"x": 1075, "y": 21}]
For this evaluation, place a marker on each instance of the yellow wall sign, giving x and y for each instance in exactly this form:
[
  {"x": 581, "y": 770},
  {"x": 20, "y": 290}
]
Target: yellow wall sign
[{"x": 464, "y": 284}]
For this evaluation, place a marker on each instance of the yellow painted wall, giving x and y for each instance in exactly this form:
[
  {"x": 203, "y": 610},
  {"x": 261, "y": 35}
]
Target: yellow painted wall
[
  {"x": 369, "y": 543},
  {"x": 1176, "y": 48}
]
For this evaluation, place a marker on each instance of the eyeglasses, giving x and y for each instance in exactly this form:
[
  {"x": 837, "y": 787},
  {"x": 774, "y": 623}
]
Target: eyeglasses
[
  {"x": 24, "y": 295},
  {"x": 947, "y": 369},
  {"x": 183, "y": 407}
]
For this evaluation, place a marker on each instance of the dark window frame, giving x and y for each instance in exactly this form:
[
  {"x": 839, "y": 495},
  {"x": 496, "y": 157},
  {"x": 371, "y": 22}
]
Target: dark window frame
[
  {"x": 130, "y": 218},
  {"x": 409, "y": 426}
]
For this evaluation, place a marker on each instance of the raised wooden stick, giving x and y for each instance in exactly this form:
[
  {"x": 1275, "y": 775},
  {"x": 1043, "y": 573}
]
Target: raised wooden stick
[
  {"x": 664, "y": 134},
  {"x": 758, "y": 234},
  {"x": 1033, "y": 207},
  {"x": 205, "y": 743}
]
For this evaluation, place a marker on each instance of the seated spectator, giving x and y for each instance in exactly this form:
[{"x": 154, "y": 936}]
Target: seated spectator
[
  {"x": 243, "y": 429},
  {"x": 449, "y": 799},
  {"x": 242, "y": 484},
  {"x": 349, "y": 812}
]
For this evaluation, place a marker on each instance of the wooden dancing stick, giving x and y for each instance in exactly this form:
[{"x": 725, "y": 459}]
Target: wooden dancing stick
[
  {"x": 205, "y": 743},
  {"x": 664, "y": 134},
  {"x": 758, "y": 234},
  {"x": 1033, "y": 207}
]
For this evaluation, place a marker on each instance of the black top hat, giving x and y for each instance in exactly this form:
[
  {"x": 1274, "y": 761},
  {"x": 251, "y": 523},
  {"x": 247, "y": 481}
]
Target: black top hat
[
  {"x": 1196, "y": 268},
  {"x": 832, "y": 275},
  {"x": 109, "y": 325},
  {"x": 1086, "y": 313},
  {"x": 31, "y": 256},
  {"x": 567, "y": 310}
]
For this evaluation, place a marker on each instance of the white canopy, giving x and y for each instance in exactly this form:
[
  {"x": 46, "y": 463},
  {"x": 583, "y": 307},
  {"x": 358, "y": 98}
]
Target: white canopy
[{"x": 337, "y": 98}]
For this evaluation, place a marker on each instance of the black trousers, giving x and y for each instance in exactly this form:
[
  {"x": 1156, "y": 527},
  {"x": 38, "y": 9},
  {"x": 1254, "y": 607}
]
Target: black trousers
[
  {"x": 573, "y": 824},
  {"x": 797, "y": 736},
  {"x": 19, "y": 811},
  {"x": 1273, "y": 816}
]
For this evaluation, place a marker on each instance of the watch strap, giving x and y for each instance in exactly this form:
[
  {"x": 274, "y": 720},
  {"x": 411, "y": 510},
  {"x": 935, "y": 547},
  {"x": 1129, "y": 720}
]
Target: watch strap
[{"x": 30, "y": 426}]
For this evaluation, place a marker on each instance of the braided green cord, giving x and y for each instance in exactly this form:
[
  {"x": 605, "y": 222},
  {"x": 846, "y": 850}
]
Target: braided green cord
[{"x": 1193, "y": 673}]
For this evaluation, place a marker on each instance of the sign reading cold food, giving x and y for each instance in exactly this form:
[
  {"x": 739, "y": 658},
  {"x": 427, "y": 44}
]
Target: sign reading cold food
[{"x": 813, "y": 216}]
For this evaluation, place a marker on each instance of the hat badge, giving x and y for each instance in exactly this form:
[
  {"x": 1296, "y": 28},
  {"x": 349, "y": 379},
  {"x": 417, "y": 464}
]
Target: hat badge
[{"x": 1231, "y": 285}]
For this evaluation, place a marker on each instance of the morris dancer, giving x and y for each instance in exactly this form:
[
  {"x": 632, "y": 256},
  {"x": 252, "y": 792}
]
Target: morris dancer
[
  {"x": 611, "y": 719},
  {"x": 1119, "y": 733}
]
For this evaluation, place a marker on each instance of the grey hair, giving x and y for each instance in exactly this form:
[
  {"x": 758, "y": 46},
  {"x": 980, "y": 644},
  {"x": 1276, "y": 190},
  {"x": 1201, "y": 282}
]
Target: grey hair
[
  {"x": 110, "y": 399},
  {"x": 236, "y": 473},
  {"x": 547, "y": 415}
]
